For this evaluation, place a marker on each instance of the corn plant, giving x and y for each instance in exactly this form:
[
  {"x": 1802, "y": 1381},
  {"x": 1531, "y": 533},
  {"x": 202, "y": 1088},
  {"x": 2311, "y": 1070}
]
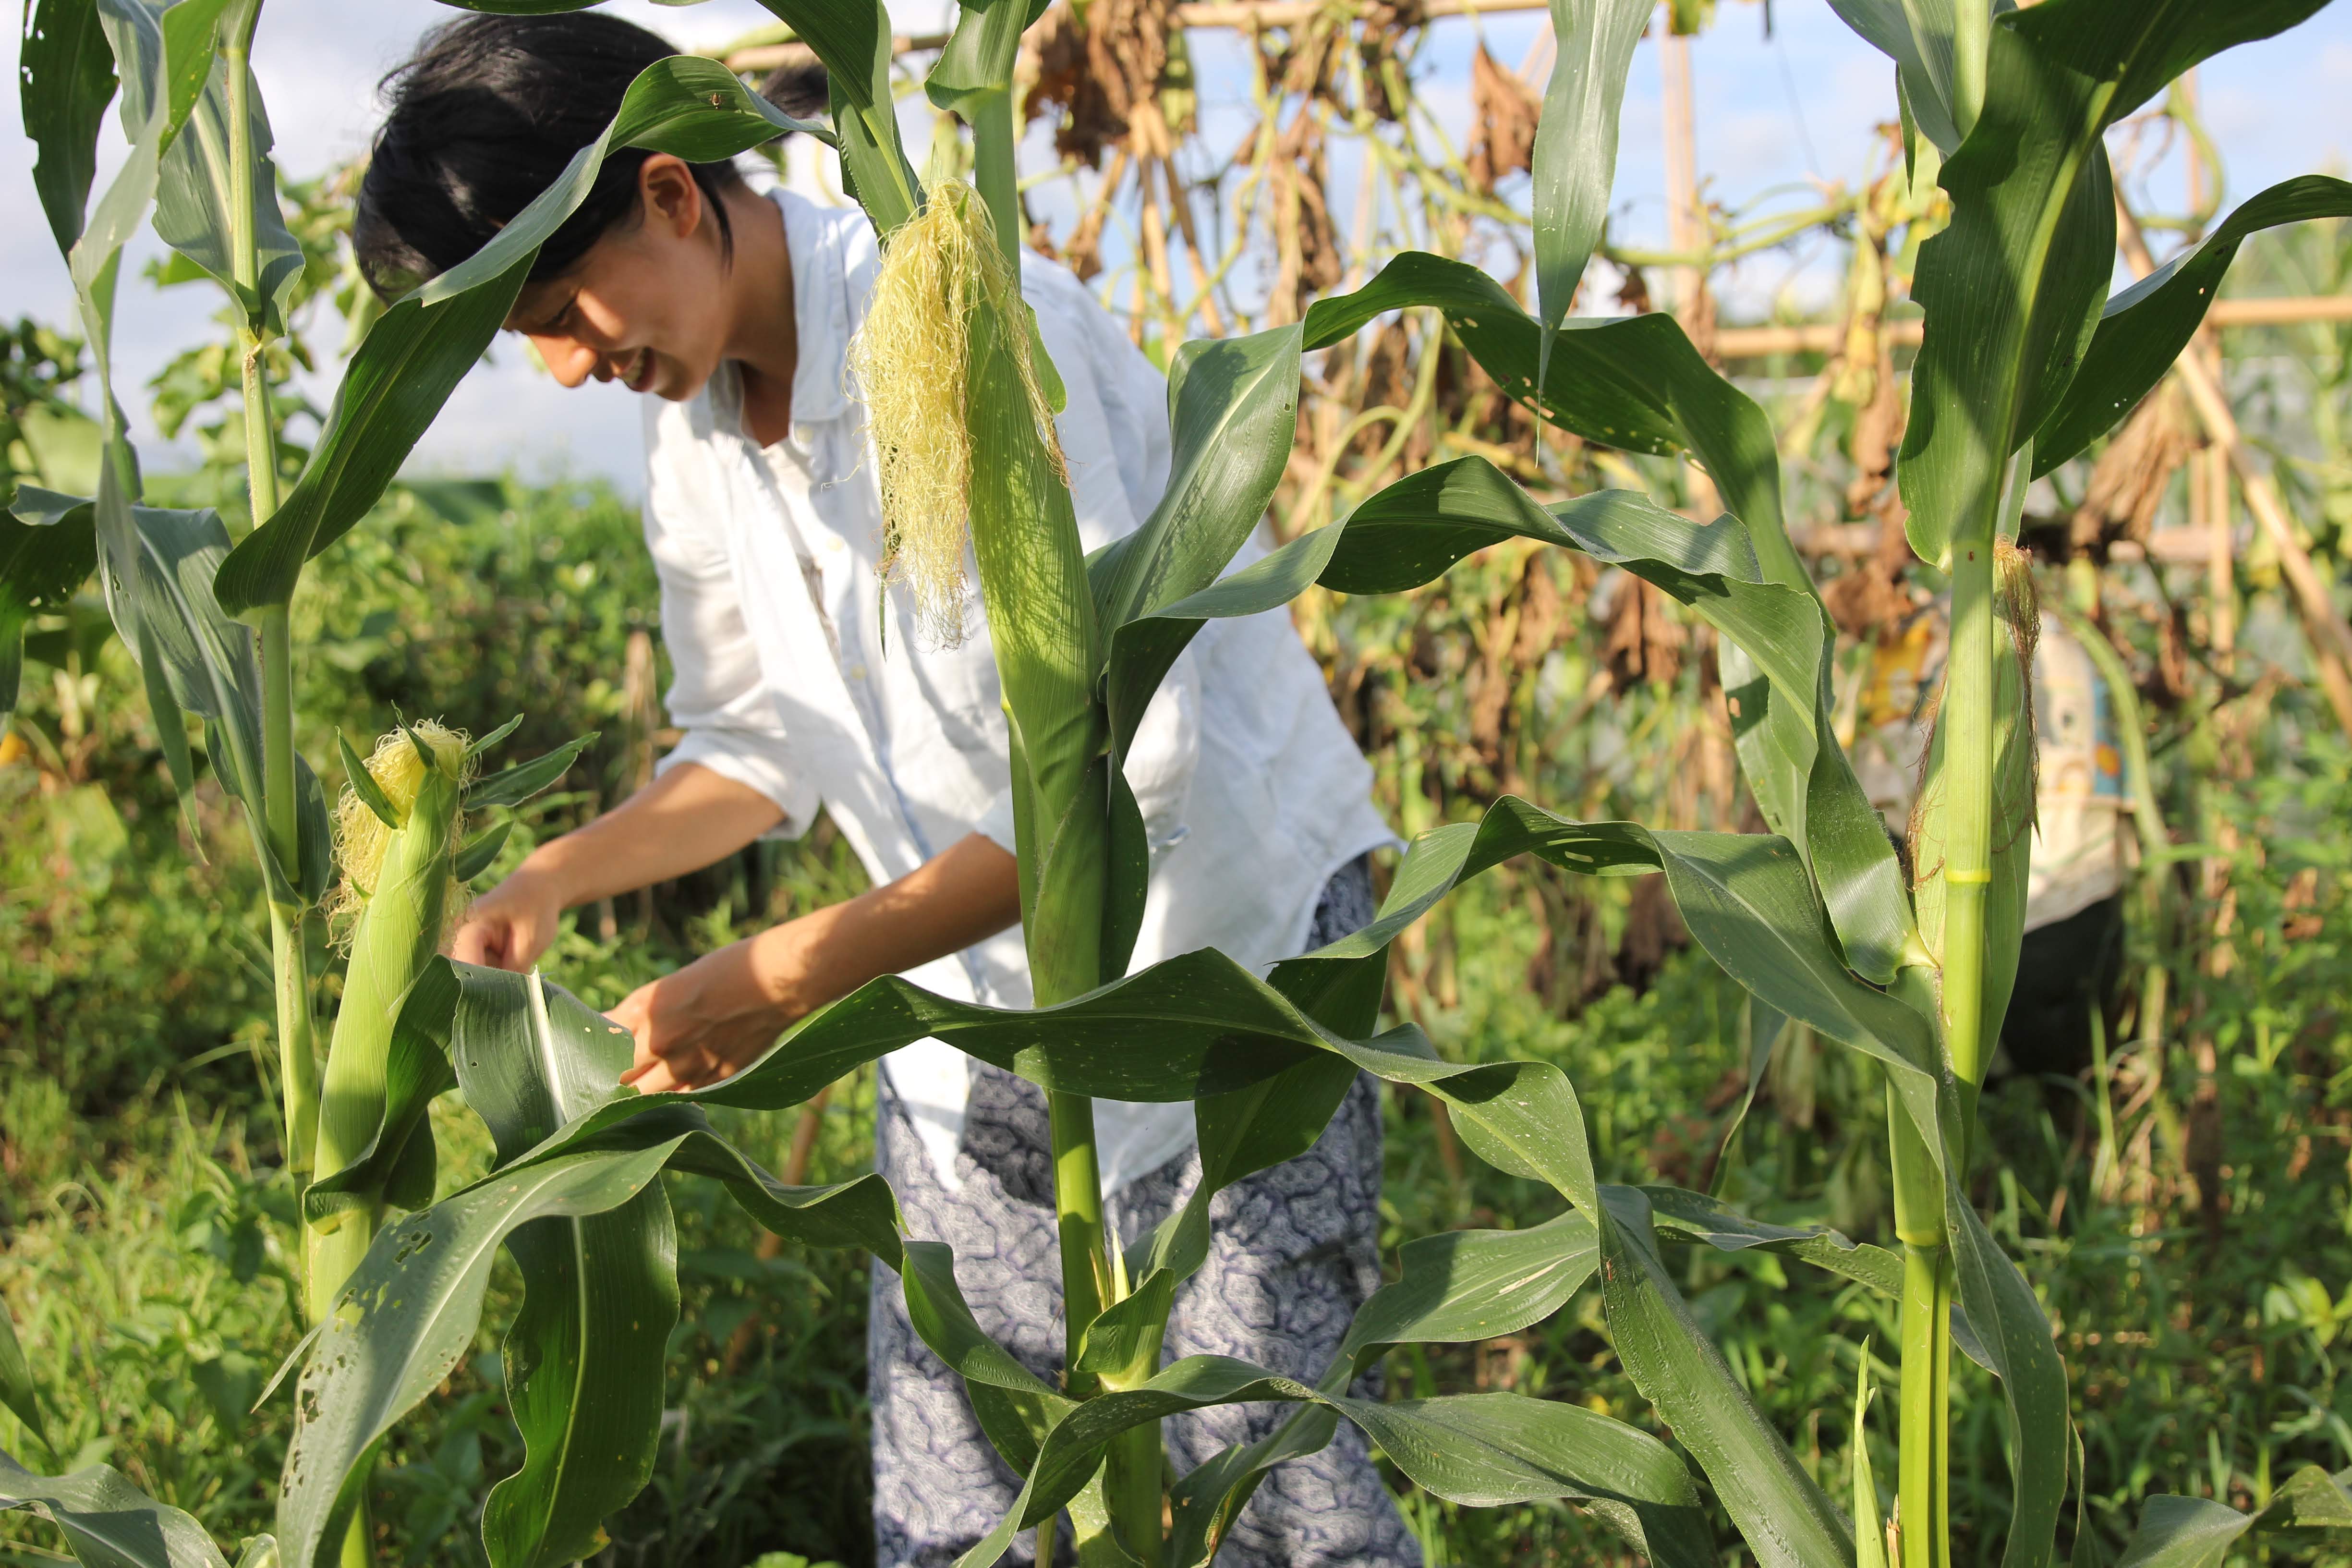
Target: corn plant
[{"x": 1908, "y": 959}]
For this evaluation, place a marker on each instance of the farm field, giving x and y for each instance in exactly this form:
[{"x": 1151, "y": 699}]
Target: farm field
[{"x": 1566, "y": 649}]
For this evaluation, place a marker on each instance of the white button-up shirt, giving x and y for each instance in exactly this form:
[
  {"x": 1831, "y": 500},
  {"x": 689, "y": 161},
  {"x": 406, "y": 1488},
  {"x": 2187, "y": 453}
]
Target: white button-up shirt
[{"x": 800, "y": 675}]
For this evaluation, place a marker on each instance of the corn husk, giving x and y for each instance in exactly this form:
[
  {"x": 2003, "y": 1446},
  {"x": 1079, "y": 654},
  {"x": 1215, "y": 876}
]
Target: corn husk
[{"x": 911, "y": 366}]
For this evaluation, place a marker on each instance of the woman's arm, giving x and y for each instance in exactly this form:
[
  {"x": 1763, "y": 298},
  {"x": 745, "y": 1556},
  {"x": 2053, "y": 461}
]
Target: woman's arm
[
  {"x": 689, "y": 817},
  {"x": 720, "y": 1013}
]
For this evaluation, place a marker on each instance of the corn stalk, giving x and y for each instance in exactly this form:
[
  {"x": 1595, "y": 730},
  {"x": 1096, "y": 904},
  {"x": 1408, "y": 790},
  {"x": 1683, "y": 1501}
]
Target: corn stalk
[{"x": 1812, "y": 917}]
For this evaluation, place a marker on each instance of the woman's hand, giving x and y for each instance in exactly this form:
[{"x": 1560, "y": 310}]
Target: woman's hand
[
  {"x": 703, "y": 1023},
  {"x": 720, "y": 1014},
  {"x": 509, "y": 926}
]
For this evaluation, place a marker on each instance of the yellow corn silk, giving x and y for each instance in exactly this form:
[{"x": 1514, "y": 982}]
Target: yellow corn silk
[
  {"x": 361, "y": 837},
  {"x": 910, "y": 364}
]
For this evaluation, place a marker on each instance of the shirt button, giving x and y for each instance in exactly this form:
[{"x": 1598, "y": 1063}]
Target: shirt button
[{"x": 856, "y": 672}]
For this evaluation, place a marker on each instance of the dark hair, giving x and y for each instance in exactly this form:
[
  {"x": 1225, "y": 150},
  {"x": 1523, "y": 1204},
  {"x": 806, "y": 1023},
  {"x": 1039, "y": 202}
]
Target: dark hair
[{"x": 485, "y": 116}]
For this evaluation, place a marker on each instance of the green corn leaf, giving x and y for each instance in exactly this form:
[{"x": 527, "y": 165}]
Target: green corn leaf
[
  {"x": 2143, "y": 329},
  {"x": 161, "y": 600},
  {"x": 1869, "y": 1534},
  {"x": 1634, "y": 382},
  {"x": 479, "y": 853},
  {"x": 196, "y": 204},
  {"x": 853, "y": 37},
  {"x": 519, "y": 783},
  {"x": 362, "y": 784},
  {"x": 66, "y": 72},
  {"x": 2013, "y": 288},
  {"x": 191, "y": 43},
  {"x": 1491, "y": 1450},
  {"x": 1575, "y": 154},
  {"x": 416, "y": 1069},
  {"x": 1480, "y": 1450},
  {"x": 44, "y": 558},
  {"x": 417, "y": 352},
  {"x": 1462, "y": 1286},
  {"x": 1233, "y": 407},
  {"x": 1205, "y": 1503},
  {"x": 1015, "y": 1407},
  {"x": 148, "y": 57},
  {"x": 2198, "y": 1533},
  {"x": 159, "y": 593},
  {"x": 106, "y": 1522},
  {"x": 1457, "y": 1287},
  {"x": 2012, "y": 1337},
  {"x": 583, "y": 1358},
  {"x": 1680, "y": 1215},
  {"x": 2184, "y": 1533},
  {"x": 406, "y": 368},
  {"x": 1411, "y": 532},
  {"x": 1233, "y": 417},
  {"x": 977, "y": 62},
  {"x": 1916, "y": 35},
  {"x": 410, "y": 1310},
  {"x": 482, "y": 744},
  {"x": 1247, "y": 1130},
  {"x": 1785, "y": 1517},
  {"x": 17, "y": 1393}
]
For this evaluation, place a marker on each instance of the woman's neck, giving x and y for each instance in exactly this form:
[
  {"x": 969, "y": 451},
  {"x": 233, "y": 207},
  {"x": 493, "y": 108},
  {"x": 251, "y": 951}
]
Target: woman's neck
[{"x": 764, "y": 338}]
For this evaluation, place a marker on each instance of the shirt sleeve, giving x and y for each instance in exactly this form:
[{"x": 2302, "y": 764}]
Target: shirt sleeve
[{"x": 716, "y": 694}]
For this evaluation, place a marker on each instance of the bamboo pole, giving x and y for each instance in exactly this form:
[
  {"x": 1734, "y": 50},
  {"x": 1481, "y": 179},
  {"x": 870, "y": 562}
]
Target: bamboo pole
[
  {"x": 1684, "y": 232},
  {"x": 2220, "y": 563},
  {"x": 2323, "y": 622},
  {"x": 1827, "y": 337}
]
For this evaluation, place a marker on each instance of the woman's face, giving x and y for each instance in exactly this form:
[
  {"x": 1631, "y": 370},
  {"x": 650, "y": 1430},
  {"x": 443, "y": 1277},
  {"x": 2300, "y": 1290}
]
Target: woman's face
[{"x": 647, "y": 306}]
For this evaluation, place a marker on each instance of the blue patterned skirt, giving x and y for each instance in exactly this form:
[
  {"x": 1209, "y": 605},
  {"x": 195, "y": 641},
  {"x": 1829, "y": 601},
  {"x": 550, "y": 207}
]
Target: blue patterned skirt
[{"x": 1295, "y": 1251}]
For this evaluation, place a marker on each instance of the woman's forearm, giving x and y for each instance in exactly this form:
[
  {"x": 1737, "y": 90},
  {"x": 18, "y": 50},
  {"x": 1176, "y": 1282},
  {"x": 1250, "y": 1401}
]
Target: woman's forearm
[
  {"x": 967, "y": 892},
  {"x": 719, "y": 1014},
  {"x": 688, "y": 818}
]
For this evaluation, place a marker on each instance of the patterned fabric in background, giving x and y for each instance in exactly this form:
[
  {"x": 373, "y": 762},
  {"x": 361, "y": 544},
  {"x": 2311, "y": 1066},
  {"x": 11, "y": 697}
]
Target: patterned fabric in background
[{"x": 1295, "y": 1252}]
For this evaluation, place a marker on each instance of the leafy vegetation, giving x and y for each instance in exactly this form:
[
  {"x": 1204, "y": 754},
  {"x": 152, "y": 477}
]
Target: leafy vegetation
[{"x": 1818, "y": 934}]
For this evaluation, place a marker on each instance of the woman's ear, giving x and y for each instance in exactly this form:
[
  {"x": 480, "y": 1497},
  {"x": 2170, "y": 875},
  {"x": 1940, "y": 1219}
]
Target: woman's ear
[{"x": 672, "y": 200}]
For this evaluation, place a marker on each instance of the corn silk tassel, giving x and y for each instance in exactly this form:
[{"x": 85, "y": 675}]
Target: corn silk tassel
[
  {"x": 911, "y": 365},
  {"x": 396, "y": 900}
]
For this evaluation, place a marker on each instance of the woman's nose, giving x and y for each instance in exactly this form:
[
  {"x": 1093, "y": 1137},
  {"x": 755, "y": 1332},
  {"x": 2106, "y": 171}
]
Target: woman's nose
[{"x": 568, "y": 360}]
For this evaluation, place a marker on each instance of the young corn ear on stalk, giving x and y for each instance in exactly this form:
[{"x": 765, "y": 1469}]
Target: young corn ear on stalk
[
  {"x": 912, "y": 363},
  {"x": 2018, "y": 622},
  {"x": 397, "y": 899}
]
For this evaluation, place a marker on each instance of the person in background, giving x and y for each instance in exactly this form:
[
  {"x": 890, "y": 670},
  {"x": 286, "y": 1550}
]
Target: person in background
[{"x": 802, "y": 684}]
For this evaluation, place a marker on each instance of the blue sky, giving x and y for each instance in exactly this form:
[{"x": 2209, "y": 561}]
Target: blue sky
[{"x": 1773, "y": 116}]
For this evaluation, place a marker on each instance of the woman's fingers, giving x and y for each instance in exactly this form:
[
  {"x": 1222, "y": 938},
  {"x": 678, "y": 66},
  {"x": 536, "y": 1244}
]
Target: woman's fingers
[
  {"x": 479, "y": 942},
  {"x": 668, "y": 1055}
]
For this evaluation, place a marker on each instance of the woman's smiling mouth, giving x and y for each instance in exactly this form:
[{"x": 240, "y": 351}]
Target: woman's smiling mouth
[{"x": 639, "y": 375}]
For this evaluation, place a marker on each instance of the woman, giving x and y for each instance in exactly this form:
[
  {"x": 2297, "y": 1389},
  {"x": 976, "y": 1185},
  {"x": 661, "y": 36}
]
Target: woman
[{"x": 801, "y": 681}]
